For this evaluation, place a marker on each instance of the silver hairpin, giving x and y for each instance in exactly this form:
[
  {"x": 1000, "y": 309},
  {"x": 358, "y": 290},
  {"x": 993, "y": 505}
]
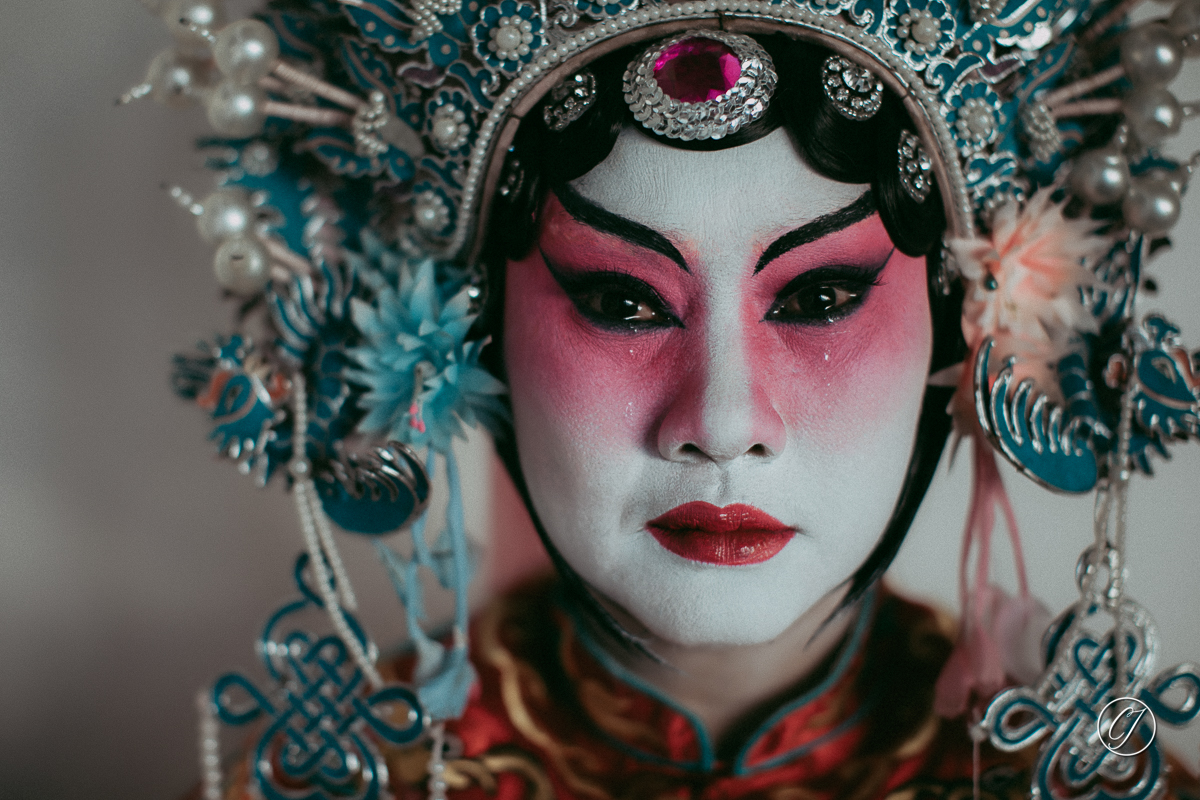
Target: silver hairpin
[
  {"x": 700, "y": 85},
  {"x": 916, "y": 170},
  {"x": 568, "y": 100},
  {"x": 855, "y": 91}
]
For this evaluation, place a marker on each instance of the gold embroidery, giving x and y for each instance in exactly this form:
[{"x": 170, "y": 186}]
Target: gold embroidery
[
  {"x": 517, "y": 679},
  {"x": 482, "y": 771},
  {"x": 462, "y": 772},
  {"x": 605, "y": 708}
]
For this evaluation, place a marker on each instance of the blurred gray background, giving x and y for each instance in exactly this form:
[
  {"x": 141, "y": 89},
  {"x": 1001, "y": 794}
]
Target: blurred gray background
[{"x": 135, "y": 567}]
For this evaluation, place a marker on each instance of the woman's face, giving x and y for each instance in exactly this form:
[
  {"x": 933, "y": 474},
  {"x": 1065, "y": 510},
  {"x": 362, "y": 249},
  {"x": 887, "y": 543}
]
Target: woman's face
[{"x": 717, "y": 362}]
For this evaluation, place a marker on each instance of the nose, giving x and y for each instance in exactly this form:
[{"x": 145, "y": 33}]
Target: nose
[{"x": 722, "y": 408}]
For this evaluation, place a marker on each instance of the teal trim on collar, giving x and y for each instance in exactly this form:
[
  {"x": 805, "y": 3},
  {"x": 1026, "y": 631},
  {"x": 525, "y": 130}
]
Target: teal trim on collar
[
  {"x": 707, "y": 753},
  {"x": 866, "y": 615}
]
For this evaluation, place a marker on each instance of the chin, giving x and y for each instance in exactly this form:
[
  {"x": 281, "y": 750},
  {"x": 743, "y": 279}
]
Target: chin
[{"x": 693, "y": 605}]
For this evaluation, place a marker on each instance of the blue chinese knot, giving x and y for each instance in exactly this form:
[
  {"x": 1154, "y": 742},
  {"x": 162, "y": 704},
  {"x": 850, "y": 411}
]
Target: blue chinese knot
[
  {"x": 1064, "y": 707},
  {"x": 322, "y": 719}
]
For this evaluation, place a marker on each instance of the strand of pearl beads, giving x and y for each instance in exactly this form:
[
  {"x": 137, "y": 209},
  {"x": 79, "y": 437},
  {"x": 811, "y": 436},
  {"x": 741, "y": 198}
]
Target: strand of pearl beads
[
  {"x": 305, "y": 495},
  {"x": 210, "y": 747}
]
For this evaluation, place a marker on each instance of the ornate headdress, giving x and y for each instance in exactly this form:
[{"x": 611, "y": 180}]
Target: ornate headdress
[{"x": 359, "y": 145}]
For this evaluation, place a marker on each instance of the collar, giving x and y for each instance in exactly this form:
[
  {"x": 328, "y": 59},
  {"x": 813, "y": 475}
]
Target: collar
[{"x": 637, "y": 719}]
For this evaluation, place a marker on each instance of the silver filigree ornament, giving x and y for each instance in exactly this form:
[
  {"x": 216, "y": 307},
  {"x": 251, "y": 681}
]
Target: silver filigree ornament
[
  {"x": 568, "y": 100},
  {"x": 742, "y": 101},
  {"x": 916, "y": 170},
  {"x": 855, "y": 91}
]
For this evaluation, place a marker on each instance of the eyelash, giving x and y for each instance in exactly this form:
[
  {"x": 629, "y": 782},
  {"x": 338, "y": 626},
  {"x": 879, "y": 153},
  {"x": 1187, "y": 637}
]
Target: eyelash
[
  {"x": 589, "y": 291},
  {"x": 849, "y": 287}
]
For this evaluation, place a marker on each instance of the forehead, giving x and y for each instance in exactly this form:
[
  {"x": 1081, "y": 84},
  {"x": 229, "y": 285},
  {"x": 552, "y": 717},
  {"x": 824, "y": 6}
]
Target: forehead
[{"x": 741, "y": 193}]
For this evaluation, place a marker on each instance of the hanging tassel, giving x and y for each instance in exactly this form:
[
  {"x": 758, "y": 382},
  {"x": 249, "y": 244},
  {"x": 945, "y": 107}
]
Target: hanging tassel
[{"x": 998, "y": 635}]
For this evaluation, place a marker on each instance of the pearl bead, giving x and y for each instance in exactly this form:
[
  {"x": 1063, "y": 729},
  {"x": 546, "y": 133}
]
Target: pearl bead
[
  {"x": 174, "y": 79},
  {"x": 1185, "y": 18},
  {"x": 1152, "y": 114},
  {"x": 246, "y": 51},
  {"x": 1152, "y": 205},
  {"x": 180, "y": 14},
  {"x": 227, "y": 214},
  {"x": 1100, "y": 177},
  {"x": 1151, "y": 55},
  {"x": 242, "y": 265},
  {"x": 236, "y": 111}
]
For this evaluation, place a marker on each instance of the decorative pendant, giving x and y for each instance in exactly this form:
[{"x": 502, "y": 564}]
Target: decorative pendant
[
  {"x": 1087, "y": 753},
  {"x": 1097, "y": 705},
  {"x": 323, "y": 721}
]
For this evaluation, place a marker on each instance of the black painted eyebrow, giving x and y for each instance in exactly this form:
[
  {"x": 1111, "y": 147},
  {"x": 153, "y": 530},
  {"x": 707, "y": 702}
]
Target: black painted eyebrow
[
  {"x": 819, "y": 228},
  {"x": 583, "y": 210}
]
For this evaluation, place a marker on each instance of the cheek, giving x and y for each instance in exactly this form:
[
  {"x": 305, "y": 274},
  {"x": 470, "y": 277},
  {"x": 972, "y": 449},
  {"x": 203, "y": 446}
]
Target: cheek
[
  {"x": 837, "y": 383},
  {"x": 575, "y": 387}
]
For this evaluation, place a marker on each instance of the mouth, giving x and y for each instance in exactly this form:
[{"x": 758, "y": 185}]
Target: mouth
[{"x": 734, "y": 535}]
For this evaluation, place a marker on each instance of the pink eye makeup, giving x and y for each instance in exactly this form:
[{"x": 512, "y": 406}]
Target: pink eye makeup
[
  {"x": 614, "y": 300},
  {"x": 824, "y": 294}
]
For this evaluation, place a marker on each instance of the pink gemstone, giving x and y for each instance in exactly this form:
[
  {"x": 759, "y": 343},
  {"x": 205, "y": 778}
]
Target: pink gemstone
[{"x": 697, "y": 69}]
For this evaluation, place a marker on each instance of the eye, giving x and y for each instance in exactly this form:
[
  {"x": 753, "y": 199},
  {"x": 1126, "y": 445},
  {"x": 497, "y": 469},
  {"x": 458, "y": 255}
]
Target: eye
[
  {"x": 815, "y": 303},
  {"x": 616, "y": 305},
  {"x": 823, "y": 295},
  {"x": 614, "y": 300}
]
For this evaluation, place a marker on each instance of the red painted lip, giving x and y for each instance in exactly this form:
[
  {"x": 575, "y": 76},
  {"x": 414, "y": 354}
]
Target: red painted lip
[{"x": 733, "y": 535}]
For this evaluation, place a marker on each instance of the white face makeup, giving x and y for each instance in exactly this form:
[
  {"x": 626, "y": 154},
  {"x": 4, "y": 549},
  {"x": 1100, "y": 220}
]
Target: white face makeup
[{"x": 706, "y": 365}]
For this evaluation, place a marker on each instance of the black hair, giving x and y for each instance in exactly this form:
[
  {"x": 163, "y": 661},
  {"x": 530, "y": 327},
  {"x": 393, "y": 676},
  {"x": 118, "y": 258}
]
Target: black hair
[{"x": 542, "y": 160}]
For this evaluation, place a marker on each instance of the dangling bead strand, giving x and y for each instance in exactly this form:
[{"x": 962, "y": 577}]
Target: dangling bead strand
[
  {"x": 437, "y": 764},
  {"x": 210, "y": 747},
  {"x": 308, "y": 508}
]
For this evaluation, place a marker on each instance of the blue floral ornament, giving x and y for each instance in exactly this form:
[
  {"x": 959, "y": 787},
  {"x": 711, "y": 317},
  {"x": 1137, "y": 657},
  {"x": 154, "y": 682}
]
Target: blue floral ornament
[
  {"x": 922, "y": 29},
  {"x": 508, "y": 35},
  {"x": 975, "y": 117},
  {"x": 423, "y": 378}
]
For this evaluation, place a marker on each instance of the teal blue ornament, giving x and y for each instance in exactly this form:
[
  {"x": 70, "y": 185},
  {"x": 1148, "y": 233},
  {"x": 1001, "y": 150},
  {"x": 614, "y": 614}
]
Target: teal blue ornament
[{"x": 423, "y": 377}]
